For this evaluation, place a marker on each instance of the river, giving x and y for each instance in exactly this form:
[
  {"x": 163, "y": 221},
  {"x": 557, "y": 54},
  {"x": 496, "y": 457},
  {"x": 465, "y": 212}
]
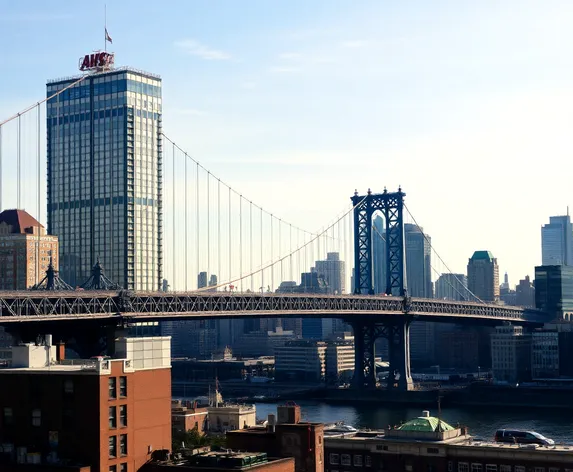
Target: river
[{"x": 481, "y": 421}]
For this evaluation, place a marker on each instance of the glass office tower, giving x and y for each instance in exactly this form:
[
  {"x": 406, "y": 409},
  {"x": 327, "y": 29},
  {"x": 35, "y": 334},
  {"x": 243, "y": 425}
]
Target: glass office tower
[{"x": 104, "y": 159}]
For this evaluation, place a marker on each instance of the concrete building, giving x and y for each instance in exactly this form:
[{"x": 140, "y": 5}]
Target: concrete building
[
  {"x": 452, "y": 287},
  {"x": 525, "y": 293},
  {"x": 191, "y": 338},
  {"x": 511, "y": 354},
  {"x": 229, "y": 417},
  {"x": 124, "y": 404},
  {"x": 289, "y": 437},
  {"x": 333, "y": 271},
  {"x": 483, "y": 276},
  {"x": 301, "y": 360},
  {"x": 105, "y": 195},
  {"x": 428, "y": 443},
  {"x": 261, "y": 343},
  {"x": 340, "y": 359},
  {"x": 557, "y": 241},
  {"x": 222, "y": 461},
  {"x": 25, "y": 250},
  {"x": 544, "y": 354},
  {"x": 186, "y": 416},
  {"x": 458, "y": 349}
]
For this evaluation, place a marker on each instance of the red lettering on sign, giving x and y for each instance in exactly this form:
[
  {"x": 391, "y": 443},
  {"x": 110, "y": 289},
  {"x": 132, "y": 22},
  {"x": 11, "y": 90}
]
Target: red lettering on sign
[{"x": 96, "y": 60}]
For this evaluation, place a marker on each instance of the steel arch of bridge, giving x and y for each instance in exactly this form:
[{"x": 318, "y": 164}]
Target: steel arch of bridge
[{"x": 391, "y": 205}]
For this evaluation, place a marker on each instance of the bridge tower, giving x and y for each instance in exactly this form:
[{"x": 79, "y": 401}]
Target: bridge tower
[{"x": 391, "y": 205}]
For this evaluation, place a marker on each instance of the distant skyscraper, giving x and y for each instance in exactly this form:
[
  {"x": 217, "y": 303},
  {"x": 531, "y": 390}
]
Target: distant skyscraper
[
  {"x": 332, "y": 270},
  {"x": 379, "y": 254},
  {"x": 525, "y": 293},
  {"x": 452, "y": 287},
  {"x": 557, "y": 241},
  {"x": 418, "y": 262},
  {"x": 104, "y": 176},
  {"x": 483, "y": 276},
  {"x": 202, "y": 280}
]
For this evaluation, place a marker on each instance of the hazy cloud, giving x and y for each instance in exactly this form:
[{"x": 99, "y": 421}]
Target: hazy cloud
[
  {"x": 284, "y": 70},
  {"x": 354, "y": 43},
  {"x": 290, "y": 55},
  {"x": 195, "y": 48}
]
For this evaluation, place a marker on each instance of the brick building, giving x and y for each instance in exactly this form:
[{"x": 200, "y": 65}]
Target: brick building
[
  {"x": 107, "y": 414},
  {"x": 25, "y": 250},
  {"x": 186, "y": 416},
  {"x": 288, "y": 438}
]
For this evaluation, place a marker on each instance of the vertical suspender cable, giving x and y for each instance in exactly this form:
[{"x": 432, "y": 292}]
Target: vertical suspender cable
[
  {"x": 230, "y": 241},
  {"x": 262, "y": 270},
  {"x": 290, "y": 251},
  {"x": 186, "y": 226},
  {"x": 198, "y": 235},
  {"x": 280, "y": 250},
  {"x": 19, "y": 162},
  {"x": 1, "y": 181},
  {"x": 39, "y": 206},
  {"x": 272, "y": 256},
  {"x": 173, "y": 214},
  {"x": 208, "y": 229},
  {"x": 251, "y": 244},
  {"x": 241, "y": 243},
  {"x": 218, "y": 227}
]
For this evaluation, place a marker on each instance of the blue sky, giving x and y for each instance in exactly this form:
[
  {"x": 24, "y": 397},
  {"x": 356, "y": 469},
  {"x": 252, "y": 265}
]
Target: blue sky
[{"x": 467, "y": 105}]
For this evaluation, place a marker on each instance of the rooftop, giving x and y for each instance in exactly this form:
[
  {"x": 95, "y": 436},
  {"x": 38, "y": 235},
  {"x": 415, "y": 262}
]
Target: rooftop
[
  {"x": 19, "y": 221},
  {"x": 482, "y": 255},
  {"x": 111, "y": 71},
  {"x": 426, "y": 424}
]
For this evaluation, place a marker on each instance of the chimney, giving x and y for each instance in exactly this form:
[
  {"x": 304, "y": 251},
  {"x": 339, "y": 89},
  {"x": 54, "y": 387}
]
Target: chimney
[
  {"x": 61, "y": 351},
  {"x": 271, "y": 423}
]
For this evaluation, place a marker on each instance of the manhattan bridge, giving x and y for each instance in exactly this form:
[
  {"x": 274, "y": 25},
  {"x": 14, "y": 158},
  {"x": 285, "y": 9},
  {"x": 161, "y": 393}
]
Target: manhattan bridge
[{"x": 208, "y": 226}]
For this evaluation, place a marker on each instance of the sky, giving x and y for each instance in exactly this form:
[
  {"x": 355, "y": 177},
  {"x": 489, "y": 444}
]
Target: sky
[{"x": 466, "y": 105}]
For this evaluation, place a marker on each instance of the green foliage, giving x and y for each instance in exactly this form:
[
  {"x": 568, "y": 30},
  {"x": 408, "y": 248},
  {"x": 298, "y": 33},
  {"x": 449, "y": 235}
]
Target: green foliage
[{"x": 193, "y": 438}]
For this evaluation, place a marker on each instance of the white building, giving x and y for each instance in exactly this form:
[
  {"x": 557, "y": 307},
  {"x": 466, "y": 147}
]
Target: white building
[
  {"x": 230, "y": 417},
  {"x": 301, "y": 360},
  {"x": 340, "y": 359}
]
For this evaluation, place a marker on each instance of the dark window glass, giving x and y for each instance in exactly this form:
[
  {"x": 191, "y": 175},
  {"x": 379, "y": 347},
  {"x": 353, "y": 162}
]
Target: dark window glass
[
  {"x": 112, "y": 388},
  {"x": 123, "y": 444},
  {"x": 112, "y": 446},
  {"x": 123, "y": 386},
  {"x": 112, "y": 417},
  {"x": 123, "y": 416}
]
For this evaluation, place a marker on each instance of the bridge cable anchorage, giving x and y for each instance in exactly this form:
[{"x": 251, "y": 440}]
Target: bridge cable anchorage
[
  {"x": 272, "y": 264},
  {"x": 479, "y": 300},
  {"x": 383, "y": 238}
]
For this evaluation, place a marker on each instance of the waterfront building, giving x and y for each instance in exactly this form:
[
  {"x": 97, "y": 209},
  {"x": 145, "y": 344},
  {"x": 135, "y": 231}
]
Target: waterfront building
[
  {"x": 430, "y": 444},
  {"x": 511, "y": 354},
  {"x": 557, "y": 241},
  {"x": 25, "y": 250},
  {"x": 104, "y": 156},
  {"x": 186, "y": 416},
  {"x": 333, "y": 271},
  {"x": 452, "y": 287},
  {"x": 261, "y": 343},
  {"x": 301, "y": 360},
  {"x": 285, "y": 436},
  {"x": 483, "y": 276},
  {"x": 459, "y": 349},
  {"x": 229, "y": 417},
  {"x": 544, "y": 354},
  {"x": 525, "y": 293},
  {"x": 554, "y": 290},
  {"x": 340, "y": 358},
  {"x": 100, "y": 413}
]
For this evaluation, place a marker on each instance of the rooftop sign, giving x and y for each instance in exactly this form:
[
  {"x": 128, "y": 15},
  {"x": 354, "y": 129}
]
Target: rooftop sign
[{"x": 98, "y": 60}]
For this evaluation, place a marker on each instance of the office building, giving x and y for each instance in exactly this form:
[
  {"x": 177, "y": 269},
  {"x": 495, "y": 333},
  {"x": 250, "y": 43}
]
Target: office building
[
  {"x": 525, "y": 293},
  {"x": 379, "y": 254},
  {"x": 458, "y": 349},
  {"x": 554, "y": 290},
  {"x": 452, "y": 287},
  {"x": 333, "y": 271},
  {"x": 340, "y": 359},
  {"x": 511, "y": 354},
  {"x": 544, "y": 354},
  {"x": 301, "y": 360},
  {"x": 104, "y": 155},
  {"x": 483, "y": 276},
  {"x": 100, "y": 413},
  {"x": 285, "y": 436},
  {"x": 195, "y": 338},
  {"x": 506, "y": 294},
  {"x": 557, "y": 241},
  {"x": 25, "y": 250},
  {"x": 261, "y": 343}
]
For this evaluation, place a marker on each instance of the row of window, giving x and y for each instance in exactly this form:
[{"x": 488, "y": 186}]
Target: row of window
[
  {"x": 100, "y": 202},
  {"x": 112, "y": 384},
  {"x": 467, "y": 467},
  {"x": 122, "y": 467},
  {"x": 113, "y": 443},
  {"x": 122, "y": 416},
  {"x": 346, "y": 459}
]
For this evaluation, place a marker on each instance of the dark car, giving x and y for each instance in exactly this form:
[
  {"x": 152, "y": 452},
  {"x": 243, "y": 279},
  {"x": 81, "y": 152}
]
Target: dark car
[{"x": 515, "y": 436}]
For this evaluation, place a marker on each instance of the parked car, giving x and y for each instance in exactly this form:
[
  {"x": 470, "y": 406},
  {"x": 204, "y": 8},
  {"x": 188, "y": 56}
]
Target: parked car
[{"x": 522, "y": 437}]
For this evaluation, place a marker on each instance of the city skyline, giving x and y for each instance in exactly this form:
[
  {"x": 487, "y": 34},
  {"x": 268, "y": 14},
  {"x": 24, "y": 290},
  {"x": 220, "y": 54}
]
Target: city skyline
[{"x": 241, "y": 81}]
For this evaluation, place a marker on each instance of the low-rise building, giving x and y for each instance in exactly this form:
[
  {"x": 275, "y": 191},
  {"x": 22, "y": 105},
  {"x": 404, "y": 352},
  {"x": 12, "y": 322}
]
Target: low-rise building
[
  {"x": 186, "y": 416},
  {"x": 340, "y": 359},
  {"x": 106, "y": 414},
  {"x": 228, "y": 417},
  {"x": 301, "y": 360},
  {"x": 511, "y": 354}
]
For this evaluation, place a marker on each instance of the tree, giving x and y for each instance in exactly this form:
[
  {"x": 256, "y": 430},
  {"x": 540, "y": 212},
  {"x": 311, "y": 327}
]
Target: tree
[{"x": 193, "y": 438}]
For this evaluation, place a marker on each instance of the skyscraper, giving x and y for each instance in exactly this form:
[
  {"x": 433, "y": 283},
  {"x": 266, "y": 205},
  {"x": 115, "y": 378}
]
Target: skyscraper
[
  {"x": 104, "y": 158},
  {"x": 379, "y": 254},
  {"x": 452, "y": 287},
  {"x": 483, "y": 276},
  {"x": 557, "y": 241},
  {"x": 333, "y": 272}
]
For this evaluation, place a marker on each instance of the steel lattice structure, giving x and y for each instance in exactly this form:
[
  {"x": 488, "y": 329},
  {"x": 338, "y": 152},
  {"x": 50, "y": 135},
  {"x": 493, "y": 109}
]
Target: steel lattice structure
[{"x": 24, "y": 307}]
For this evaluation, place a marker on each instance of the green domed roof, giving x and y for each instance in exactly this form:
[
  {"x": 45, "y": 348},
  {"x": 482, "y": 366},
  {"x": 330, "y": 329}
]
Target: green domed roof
[{"x": 426, "y": 424}]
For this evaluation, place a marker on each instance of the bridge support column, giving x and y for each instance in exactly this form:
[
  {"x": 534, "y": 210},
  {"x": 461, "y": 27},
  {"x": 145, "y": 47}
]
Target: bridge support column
[
  {"x": 365, "y": 335},
  {"x": 399, "y": 374}
]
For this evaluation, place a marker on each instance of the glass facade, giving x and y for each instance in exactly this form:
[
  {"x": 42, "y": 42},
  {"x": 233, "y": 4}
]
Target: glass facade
[
  {"x": 554, "y": 289},
  {"x": 104, "y": 177}
]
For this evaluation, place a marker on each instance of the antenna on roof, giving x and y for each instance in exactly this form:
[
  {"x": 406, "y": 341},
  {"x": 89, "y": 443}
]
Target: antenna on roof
[{"x": 439, "y": 428}]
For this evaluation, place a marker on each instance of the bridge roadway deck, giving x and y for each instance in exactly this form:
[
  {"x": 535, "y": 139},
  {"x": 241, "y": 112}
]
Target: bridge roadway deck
[{"x": 29, "y": 306}]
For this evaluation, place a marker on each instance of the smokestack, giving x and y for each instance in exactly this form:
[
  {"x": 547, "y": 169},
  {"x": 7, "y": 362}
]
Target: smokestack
[{"x": 61, "y": 351}]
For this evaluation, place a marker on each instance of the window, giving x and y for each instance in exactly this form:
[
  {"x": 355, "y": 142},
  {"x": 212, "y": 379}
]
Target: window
[
  {"x": 113, "y": 468},
  {"x": 36, "y": 417},
  {"x": 476, "y": 468},
  {"x": 433, "y": 450},
  {"x": 69, "y": 386},
  {"x": 463, "y": 467},
  {"x": 123, "y": 386},
  {"x": 345, "y": 459},
  {"x": 112, "y": 446},
  {"x": 123, "y": 467},
  {"x": 123, "y": 444},
  {"x": 7, "y": 416},
  {"x": 539, "y": 469},
  {"x": 357, "y": 460},
  {"x": 368, "y": 461},
  {"x": 519, "y": 468},
  {"x": 112, "y": 417},
  {"x": 333, "y": 459},
  {"x": 123, "y": 416},
  {"x": 112, "y": 388},
  {"x": 504, "y": 468},
  {"x": 490, "y": 468}
]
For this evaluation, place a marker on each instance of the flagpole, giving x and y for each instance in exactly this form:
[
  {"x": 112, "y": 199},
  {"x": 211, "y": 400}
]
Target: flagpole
[{"x": 105, "y": 27}]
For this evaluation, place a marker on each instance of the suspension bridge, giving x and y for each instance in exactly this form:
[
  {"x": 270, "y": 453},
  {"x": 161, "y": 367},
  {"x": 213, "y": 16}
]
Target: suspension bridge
[{"x": 148, "y": 233}]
